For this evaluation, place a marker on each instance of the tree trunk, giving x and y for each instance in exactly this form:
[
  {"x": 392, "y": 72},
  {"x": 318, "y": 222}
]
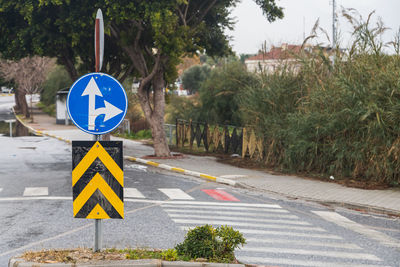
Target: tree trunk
[
  {"x": 155, "y": 114},
  {"x": 31, "y": 104},
  {"x": 161, "y": 148},
  {"x": 23, "y": 105},
  {"x": 17, "y": 106},
  {"x": 21, "y": 130}
]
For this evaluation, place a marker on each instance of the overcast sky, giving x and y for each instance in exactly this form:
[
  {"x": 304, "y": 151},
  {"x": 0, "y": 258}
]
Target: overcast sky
[{"x": 252, "y": 28}]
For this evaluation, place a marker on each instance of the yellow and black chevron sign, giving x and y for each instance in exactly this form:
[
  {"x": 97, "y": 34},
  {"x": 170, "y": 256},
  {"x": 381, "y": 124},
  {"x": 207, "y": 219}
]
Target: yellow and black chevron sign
[{"x": 97, "y": 179}]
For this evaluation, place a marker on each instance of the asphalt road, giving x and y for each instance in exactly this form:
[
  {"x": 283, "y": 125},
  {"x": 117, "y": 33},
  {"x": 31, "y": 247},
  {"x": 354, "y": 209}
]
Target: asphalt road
[
  {"x": 6, "y": 103},
  {"x": 36, "y": 213}
]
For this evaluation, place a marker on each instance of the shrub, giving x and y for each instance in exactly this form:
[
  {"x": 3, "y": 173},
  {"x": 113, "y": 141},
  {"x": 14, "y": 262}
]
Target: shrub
[
  {"x": 169, "y": 255},
  {"x": 58, "y": 79},
  {"x": 193, "y": 77},
  {"x": 185, "y": 108},
  {"x": 220, "y": 94},
  {"x": 214, "y": 244}
]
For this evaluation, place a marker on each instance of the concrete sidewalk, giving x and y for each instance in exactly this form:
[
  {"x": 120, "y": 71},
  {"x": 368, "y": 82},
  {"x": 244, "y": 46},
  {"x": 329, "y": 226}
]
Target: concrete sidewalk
[{"x": 382, "y": 201}]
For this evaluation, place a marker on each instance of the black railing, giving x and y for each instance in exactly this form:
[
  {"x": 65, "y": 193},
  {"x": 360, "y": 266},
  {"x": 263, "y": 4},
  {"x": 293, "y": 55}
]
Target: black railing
[{"x": 225, "y": 138}]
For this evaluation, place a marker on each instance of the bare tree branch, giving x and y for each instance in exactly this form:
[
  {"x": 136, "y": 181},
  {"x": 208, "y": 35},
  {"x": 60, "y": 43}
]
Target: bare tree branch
[{"x": 28, "y": 74}]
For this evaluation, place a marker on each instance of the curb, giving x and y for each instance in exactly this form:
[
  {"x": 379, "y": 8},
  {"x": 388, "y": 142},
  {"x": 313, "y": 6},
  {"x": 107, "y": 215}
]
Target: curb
[
  {"x": 15, "y": 262},
  {"x": 183, "y": 171},
  {"x": 349, "y": 205},
  {"x": 6, "y": 94},
  {"x": 37, "y": 132}
]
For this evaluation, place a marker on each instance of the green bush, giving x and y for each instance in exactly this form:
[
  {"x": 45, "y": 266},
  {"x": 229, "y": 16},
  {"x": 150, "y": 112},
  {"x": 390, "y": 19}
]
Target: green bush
[
  {"x": 214, "y": 244},
  {"x": 58, "y": 79},
  {"x": 220, "y": 94},
  {"x": 193, "y": 77},
  {"x": 185, "y": 108}
]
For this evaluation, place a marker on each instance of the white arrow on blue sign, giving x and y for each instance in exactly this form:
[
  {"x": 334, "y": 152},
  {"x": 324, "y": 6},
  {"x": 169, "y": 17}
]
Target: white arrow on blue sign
[{"x": 97, "y": 103}]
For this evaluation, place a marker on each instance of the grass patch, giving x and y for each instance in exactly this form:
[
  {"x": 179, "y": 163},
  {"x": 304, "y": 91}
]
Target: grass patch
[
  {"x": 201, "y": 244},
  {"x": 140, "y": 135},
  {"x": 5, "y": 128}
]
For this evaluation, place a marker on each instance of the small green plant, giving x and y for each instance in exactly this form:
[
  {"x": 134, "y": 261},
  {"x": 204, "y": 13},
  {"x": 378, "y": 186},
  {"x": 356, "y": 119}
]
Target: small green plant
[
  {"x": 169, "y": 255},
  {"x": 214, "y": 244},
  {"x": 143, "y": 134},
  {"x": 137, "y": 254}
]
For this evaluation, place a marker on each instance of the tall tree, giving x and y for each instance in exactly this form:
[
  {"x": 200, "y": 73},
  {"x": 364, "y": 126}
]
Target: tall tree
[
  {"x": 59, "y": 29},
  {"x": 28, "y": 74},
  {"x": 155, "y": 34},
  {"x": 152, "y": 35}
]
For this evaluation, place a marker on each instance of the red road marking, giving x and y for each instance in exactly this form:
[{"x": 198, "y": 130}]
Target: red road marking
[{"x": 220, "y": 195}]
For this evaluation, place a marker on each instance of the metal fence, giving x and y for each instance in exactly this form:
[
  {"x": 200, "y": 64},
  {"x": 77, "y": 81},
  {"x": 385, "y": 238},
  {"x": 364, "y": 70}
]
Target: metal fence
[
  {"x": 218, "y": 138},
  {"x": 124, "y": 127},
  {"x": 170, "y": 132}
]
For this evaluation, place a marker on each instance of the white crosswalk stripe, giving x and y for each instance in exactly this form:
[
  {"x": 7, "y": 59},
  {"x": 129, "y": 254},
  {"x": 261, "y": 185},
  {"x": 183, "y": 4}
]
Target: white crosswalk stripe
[
  {"x": 132, "y": 193},
  {"x": 175, "y": 193},
  {"x": 271, "y": 240},
  {"x": 241, "y": 214},
  {"x": 358, "y": 228},
  {"x": 245, "y": 218},
  {"x": 336, "y": 254},
  {"x": 291, "y": 262},
  {"x": 36, "y": 191},
  {"x": 246, "y": 224},
  {"x": 278, "y": 233},
  {"x": 272, "y": 234},
  {"x": 230, "y": 208}
]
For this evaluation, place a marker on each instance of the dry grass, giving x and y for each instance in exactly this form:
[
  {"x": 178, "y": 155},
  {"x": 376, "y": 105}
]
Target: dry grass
[{"x": 73, "y": 255}]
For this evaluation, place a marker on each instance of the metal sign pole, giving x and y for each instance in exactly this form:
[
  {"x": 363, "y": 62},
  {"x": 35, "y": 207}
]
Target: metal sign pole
[
  {"x": 98, "y": 224},
  {"x": 10, "y": 124},
  {"x": 98, "y": 42},
  {"x": 10, "y": 128}
]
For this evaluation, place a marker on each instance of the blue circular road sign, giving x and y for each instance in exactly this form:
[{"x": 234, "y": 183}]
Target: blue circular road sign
[{"x": 97, "y": 103}]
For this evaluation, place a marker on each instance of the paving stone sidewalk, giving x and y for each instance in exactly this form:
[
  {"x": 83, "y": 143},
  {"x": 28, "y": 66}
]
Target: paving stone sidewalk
[{"x": 386, "y": 201}]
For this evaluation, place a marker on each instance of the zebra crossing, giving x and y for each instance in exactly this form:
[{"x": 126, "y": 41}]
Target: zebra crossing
[
  {"x": 130, "y": 192},
  {"x": 274, "y": 236}
]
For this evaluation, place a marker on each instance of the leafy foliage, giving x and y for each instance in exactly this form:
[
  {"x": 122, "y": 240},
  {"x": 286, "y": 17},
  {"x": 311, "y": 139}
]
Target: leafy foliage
[
  {"x": 57, "y": 29},
  {"x": 147, "y": 38},
  {"x": 57, "y": 79},
  {"x": 182, "y": 108},
  {"x": 220, "y": 96},
  {"x": 214, "y": 244},
  {"x": 169, "y": 254},
  {"x": 193, "y": 77}
]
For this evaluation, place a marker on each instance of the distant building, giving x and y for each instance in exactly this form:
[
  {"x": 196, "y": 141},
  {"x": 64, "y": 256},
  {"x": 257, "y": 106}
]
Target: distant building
[{"x": 285, "y": 55}]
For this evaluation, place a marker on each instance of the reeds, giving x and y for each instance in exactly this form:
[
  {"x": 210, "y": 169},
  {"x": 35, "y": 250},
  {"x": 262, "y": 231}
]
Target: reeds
[{"x": 338, "y": 119}]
